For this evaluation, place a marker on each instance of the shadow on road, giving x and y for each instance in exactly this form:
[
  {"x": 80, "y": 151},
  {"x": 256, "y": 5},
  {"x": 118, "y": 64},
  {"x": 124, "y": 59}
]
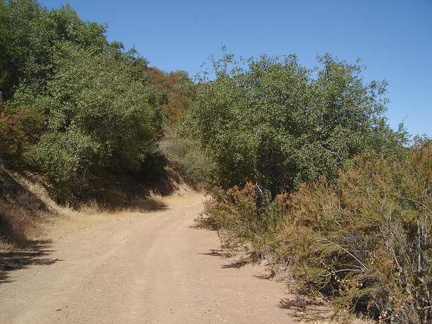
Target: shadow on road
[
  {"x": 306, "y": 309},
  {"x": 220, "y": 253},
  {"x": 236, "y": 260},
  {"x": 35, "y": 253},
  {"x": 147, "y": 205}
]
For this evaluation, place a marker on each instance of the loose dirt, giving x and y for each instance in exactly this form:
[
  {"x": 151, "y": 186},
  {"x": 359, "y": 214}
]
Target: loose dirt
[{"x": 154, "y": 267}]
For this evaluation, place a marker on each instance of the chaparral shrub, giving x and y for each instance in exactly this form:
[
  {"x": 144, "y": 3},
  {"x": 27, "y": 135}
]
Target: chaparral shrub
[{"x": 364, "y": 242}]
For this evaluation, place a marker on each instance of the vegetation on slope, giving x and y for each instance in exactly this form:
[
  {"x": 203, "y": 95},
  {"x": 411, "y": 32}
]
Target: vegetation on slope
[
  {"x": 364, "y": 243},
  {"x": 79, "y": 108}
]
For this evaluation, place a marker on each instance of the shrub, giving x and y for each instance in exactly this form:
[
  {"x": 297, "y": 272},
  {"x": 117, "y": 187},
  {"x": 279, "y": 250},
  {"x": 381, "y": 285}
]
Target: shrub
[
  {"x": 275, "y": 122},
  {"x": 102, "y": 113},
  {"x": 364, "y": 243},
  {"x": 368, "y": 240},
  {"x": 19, "y": 128},
  {"x": 247, "y": 213}
]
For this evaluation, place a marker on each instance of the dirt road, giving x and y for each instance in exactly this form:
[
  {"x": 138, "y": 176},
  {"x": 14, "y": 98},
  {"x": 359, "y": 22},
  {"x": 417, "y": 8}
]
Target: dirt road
[{"x": 151, "y": 267}]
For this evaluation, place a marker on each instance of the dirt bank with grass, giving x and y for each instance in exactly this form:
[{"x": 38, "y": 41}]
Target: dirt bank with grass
[{"x": 137, "y": 267}]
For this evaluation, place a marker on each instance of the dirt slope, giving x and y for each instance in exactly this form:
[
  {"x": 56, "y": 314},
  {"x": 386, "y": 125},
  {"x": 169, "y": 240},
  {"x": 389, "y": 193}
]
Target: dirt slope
[{"x": 147, "y": 268}]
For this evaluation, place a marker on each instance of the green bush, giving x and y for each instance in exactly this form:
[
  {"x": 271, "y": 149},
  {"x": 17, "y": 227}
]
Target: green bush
[
  {"x": 101, "y": 112},
  {"x": 29, "y": 34},
  {"x": 277, "y": 123}
]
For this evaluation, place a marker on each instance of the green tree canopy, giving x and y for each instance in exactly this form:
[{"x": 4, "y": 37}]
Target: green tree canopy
[
  {"x": 93, "y": 104},
  {"x": 276, "y": 122},
  {"x": 101, "y": 112},
  {"x": 29, "y": 35}
]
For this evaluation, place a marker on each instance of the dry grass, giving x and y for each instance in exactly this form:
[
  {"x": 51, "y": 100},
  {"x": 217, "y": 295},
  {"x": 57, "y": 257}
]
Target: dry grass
[
  {"x": 56, "y": 226},
  {"x": 66, "y": 221},
  {"x": 56, "y": 222}
]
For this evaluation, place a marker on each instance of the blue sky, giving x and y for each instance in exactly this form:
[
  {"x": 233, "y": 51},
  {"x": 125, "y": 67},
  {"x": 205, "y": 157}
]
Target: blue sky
[{"x": 392, "y": 37}]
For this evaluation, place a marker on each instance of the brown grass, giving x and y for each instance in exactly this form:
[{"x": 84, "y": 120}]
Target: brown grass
[{"x": 32, "y": 215}]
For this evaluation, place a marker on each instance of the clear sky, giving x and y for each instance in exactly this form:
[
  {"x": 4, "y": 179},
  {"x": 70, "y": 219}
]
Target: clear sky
[{"x": 392, "y": 37}]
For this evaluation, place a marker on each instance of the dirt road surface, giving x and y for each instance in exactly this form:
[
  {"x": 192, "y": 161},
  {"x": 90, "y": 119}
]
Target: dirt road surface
[{"x": 153, "y": 267}]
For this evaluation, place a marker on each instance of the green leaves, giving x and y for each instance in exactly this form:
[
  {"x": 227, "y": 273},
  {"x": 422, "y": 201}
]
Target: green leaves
[
  {"x": 100, "y": 114},
  {"x": 29, "y": 35},
  {"x": 99, "y": 108},
  {"x": 274, "y": 121}
]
